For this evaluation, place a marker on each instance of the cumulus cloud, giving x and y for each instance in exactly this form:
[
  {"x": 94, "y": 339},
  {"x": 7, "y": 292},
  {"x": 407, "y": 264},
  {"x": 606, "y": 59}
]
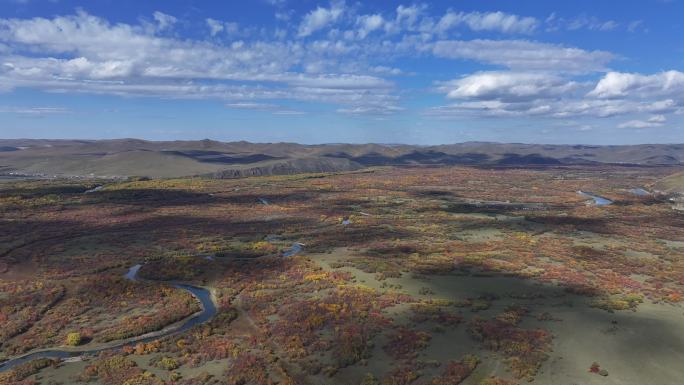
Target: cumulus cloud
[
  {"x": 508, "y": 86},
  {"x": 102, "y": 51},
  {"x": 346, "y": 66},
  {"x": 620, "y": 84},
  {"x": 408, "y": 16},
  {"x": 369, "y": 23},
  {"x": 507, "y": 93},
  {"x": 320, "y": 18},
  {"x": 84, "y": 53}
]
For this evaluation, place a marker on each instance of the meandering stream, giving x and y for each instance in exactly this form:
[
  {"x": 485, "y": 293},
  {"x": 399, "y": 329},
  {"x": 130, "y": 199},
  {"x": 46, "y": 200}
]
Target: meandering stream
[
  {"x": 201, "y": 294},
  {"x": 207, "y": 312}
]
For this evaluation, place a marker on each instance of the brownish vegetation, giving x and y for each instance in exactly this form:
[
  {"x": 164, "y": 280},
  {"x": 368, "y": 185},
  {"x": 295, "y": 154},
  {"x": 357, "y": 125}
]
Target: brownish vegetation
[{"x": 314, "y": 319}]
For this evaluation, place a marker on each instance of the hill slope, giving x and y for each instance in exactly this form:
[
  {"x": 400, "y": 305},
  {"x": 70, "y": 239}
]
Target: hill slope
[
  {"x": 672, "y": 184},
  {"x": 127, "y": 157}
]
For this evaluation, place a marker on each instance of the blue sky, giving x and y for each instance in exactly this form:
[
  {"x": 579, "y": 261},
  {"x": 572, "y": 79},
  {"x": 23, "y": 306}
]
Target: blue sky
[{"x": 594, "y": 72}]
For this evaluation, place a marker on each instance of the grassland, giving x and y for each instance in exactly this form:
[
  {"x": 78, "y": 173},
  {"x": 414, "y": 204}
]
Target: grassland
[{"x": 409, "y": 275}]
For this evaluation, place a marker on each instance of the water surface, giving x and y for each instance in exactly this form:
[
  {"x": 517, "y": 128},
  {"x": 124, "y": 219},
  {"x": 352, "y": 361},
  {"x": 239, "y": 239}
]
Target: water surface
[
  {"x": 598, "y": 200},
  {"x": 201, "y": 294}
]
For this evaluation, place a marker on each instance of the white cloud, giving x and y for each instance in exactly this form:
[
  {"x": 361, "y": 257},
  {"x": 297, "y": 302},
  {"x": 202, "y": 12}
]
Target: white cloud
[
  {"x": 164, "y": 21},
  {"x": 347, "y": 82},
  {"x": 289, "y": 113},
  {"x": 635, "y": 26},
  {"x": 508, "y": 86},
  {"x": 524, "y": 55},
  {"x": 407, "y": 17},
  {"x": 368, "y": 24},
  {"x": 252, "y": 106},
  {"x": 656, "y": 121},
  {"x": 582, "y": 22},
  {"x": 215, "y": 26},
  {"x": 276, "y": 3},
  {"x": 321, "y": 18},
  {"x": 284, "y": 15},
  {"x": 33, "y": 111},
  {"x": 386, "y": 70},
  {"x": 252, "y": 68},
  {"x": 604, "y": 108},
  {"x": 84, "y": 53},
  {"x": 559, "y": 106},
  {"x": 620, "y": 84},
  {"x": 491, "y": 21},
  {"x": 415, "y": 19},
  {"x": 273, "y": 108},
  {"x": 232, "y": 27},
  {"x": 371, "y": 110},
  {"x": 609, "y": 25},
  {"x": 652, "y": 122}
]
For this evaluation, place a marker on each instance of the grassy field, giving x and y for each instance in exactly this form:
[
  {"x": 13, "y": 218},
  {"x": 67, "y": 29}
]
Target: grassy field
[{"x": 408, "y": 275}]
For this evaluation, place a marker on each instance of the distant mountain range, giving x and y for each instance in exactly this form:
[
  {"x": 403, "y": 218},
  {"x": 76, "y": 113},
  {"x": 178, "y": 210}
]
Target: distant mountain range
[{"x": 133, "y": 157}]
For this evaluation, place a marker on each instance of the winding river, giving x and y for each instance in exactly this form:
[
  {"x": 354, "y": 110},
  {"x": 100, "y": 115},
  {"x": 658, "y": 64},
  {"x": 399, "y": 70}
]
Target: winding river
[{"x": 201, "y": 294}]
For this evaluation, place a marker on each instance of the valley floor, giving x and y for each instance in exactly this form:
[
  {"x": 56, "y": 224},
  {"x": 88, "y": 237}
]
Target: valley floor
[{"x": 427, "y": 276}]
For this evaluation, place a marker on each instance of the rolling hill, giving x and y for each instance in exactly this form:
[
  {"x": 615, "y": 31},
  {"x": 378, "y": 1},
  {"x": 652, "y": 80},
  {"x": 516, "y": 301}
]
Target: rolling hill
[{"x": 129, "y": 157}]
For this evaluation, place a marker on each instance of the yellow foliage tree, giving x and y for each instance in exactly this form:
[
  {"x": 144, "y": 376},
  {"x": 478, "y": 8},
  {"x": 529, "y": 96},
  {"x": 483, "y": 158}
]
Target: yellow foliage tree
[{"x": 73, "y": 339}]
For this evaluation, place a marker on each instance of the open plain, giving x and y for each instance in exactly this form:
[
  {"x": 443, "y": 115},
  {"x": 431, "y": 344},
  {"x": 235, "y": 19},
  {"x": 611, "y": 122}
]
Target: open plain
[{"x": 387, "y": 275}]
